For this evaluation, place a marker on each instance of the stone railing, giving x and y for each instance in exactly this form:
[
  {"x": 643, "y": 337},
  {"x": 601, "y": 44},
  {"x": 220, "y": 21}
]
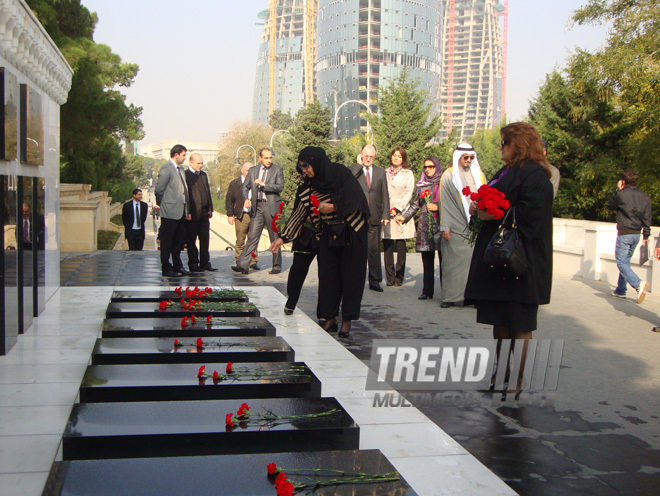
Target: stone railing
[{"x": 586, "y": 249}]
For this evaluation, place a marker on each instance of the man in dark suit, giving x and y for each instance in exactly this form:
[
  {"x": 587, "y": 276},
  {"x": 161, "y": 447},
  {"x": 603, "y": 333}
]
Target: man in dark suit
[
  {"x": 31, "y": 228},
  {"x": 239, "y": 216},
  {"x": 264, "y": 183},
  {"x": 173, "y": 199},
  {"x": 374, "y": 184},
  {"x": 134, "y": 224},
  {"x": 201, "y": 210}
]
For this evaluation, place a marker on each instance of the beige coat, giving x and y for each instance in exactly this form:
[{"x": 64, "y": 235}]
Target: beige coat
[{"x": 400, "y": 188}]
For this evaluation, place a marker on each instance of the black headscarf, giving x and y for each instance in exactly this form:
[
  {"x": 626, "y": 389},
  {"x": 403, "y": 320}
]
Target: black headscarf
[{"x": 336, "y": 180}]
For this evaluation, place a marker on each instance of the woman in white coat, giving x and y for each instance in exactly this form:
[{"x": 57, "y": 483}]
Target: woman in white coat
[{"x": 400, "y": 185}]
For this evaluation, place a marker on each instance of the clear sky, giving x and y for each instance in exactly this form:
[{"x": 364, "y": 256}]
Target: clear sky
[{"x": 198, "y": 58}]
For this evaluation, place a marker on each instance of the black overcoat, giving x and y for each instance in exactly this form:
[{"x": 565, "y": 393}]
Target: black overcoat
[{"x": 527, "y": 188}]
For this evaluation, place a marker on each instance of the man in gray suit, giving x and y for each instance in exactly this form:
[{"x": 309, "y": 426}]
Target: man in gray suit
[
  {"x": 172, "y": 197},
  {"x": 266, "y": 182},
  {"x": 374, "y": 184}
]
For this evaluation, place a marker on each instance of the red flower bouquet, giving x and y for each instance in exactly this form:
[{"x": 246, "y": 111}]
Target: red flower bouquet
[
  {"x": 426, "y": 196},
  {"x": 279, "y": 220},
  {"x": 491, "y": 200}
]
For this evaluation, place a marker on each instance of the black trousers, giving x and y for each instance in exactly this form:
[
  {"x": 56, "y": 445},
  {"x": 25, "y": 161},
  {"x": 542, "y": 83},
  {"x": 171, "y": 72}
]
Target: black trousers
[
  {"x": 394, "y": 274},
  {"x": 428, "y": 258},
  {"x": 135, "y": 238},
  {"x": 342, "y": 270},
  {"x": 297, "y": 274},
  {"x": 198, "y": 229},
  {"x": 172, "y": 236},
  {"x": 373, "y": 243}
]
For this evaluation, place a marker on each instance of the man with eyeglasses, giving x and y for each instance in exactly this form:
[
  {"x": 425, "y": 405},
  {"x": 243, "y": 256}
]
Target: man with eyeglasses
[
  {"x": 454, "y": 219},
  {"x": 374, "y": 184},
  {"x": 265, "y": 182}
]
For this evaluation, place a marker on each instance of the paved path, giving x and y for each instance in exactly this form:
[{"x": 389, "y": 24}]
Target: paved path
[{"x": 599, "y": 435}]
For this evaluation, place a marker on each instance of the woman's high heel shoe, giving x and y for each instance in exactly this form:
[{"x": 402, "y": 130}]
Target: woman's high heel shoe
[
  {"x": 329, "y": 325},
  {"x": 345, "y": 334},
  {"x": 288, "y": 311}
]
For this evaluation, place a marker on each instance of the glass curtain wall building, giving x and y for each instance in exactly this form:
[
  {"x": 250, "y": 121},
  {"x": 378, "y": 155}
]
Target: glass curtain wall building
[
  {"x": 361, "y": 44},
  {"x": 472, "y": 55},
  {"x": 285, "y": 78}
]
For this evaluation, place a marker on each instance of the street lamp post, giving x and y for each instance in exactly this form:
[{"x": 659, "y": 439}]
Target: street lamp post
[
  {"x": 238, "y": 162},
  {"x": 335, "y": 135},
  {"x": 278, "y": 131}
]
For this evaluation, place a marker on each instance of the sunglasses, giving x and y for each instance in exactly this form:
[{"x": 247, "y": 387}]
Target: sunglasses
[
  {"x": 304, "y": 166},
  {"x": 468, "y": 157},
  {"x": 503, "y": 144},
  {"x": 429, "y": 167}
]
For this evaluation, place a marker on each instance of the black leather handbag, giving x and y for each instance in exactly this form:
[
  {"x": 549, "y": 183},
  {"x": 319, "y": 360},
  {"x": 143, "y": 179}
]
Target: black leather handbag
[
  {"x": 505, "y": 252},
  {"x": 338, "y": 235}
]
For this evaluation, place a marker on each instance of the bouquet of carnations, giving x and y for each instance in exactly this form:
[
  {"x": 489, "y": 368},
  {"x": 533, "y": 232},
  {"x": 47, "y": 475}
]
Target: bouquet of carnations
[
  {"x": 426, "y": 196},
  {"x": 491, "y": 200}
]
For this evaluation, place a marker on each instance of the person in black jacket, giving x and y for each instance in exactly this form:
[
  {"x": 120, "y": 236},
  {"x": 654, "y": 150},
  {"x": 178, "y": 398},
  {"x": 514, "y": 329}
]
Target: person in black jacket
[
  {"x": 134, "y": 225},
  {"x": 511, "y": 305},
  {"x": 201, "y": 210},
  {"x": 633, "y": 214}
]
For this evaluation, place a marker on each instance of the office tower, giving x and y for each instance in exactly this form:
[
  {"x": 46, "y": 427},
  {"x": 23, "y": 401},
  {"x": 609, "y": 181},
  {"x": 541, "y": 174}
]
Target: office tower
[
  {"x": 361, "y": 44},
  {"x": 285, "y": 64},
  {"x": 473, "y": 76}
]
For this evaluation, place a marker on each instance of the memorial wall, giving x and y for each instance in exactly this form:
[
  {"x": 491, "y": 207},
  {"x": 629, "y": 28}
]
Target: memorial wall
[{"x": 34, "y": 81}]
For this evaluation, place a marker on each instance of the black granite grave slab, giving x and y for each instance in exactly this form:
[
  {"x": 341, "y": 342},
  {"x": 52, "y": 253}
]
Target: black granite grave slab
[
  {"x": 151, "y": 309},
  {"x": 192, "y": 428},
  {"x": 219, "y": 294},
  {"x": 179, "y": 382},
  {"x": 223, "y": 475},
  {"x": 116, "y": 351},
  {"x": 171, "y": 327}
]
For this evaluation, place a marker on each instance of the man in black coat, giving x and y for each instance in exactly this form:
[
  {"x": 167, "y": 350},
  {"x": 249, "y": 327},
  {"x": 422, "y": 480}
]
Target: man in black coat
[
  {"x": 374, "y": 184},
  {"x": 134, "y": 224},
  {"x": 238, "y": 215},
  {"x": 201, "y": 210}
]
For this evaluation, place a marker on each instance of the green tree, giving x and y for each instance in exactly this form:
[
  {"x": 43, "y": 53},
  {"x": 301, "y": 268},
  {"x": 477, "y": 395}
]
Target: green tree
[
  {"x": 96, "y": 118},
  {"x": 279, "y": 120},
  {"x": 404, "y": 120}
]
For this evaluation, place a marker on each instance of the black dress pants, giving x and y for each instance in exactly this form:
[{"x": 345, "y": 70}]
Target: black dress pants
[
  {"x": 394, "y": 274},
  {"x": 135, "y": 238},
  {"x": 428, "y": 260},
  {"x": 342, "y": 270},
  {"x": 373, "y": 243},
  {"x": 172, "y": 236},
  {"x": 198, "y": 229},
  {"x": 297, "y": 274}
]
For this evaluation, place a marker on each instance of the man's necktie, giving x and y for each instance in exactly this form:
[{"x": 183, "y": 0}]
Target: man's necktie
[
  {"x": 368, "y": 174},
  {"x": 137, "y": 215},
  {"x": 264, "y": 171},
  {"x": 26, "y": 230}
]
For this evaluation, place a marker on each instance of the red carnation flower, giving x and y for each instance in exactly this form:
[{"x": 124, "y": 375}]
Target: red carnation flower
[
  {"x": 281, "y": 207},
  {"x": 228, "y": 420},
  {"x": 163, "y": 305},
  {"x": 272, "y": 468},
  {"x": 245, "y": 406},
  {"x": 201, "y": 370},
  {"x": 177, "y": 343},
  {"x": 208, "y": 319},
  {"x": 193, "y": 319},
  {"x": 315, "y": 211},
  {"x": 230, "y": 367},
  {"x": 215, "y": 375},
  {"x": 254, "y": 255},
  {"x": 184, "y": 321},
  {"x": 200, "y": 343},
  {"x": 315, "y": 200},
  {"x": 178, "y": 290}
]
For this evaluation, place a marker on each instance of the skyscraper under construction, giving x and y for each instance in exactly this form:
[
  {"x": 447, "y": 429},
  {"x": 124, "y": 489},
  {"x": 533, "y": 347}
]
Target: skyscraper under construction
[
  {"x": 343, "y": 50},
  {"x": 473, "y": 66}
]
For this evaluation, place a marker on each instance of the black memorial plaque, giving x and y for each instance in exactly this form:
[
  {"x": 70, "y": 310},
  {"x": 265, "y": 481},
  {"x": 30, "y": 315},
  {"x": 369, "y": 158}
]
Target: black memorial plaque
[
  {"x": 223, "y": 475},
  {"x": 117, "y": 351},
  {"x": 171, "y": 327},
  {"x": 219, "y": 294},
  {"x": 179, "y": 382},
  {"x": 149, "y": 310},
  {"x": 193, "y": 428}
]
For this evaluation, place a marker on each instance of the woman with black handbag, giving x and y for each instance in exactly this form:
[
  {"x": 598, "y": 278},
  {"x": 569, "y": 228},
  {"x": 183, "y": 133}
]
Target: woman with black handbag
[
  {"x": 507, "y": 301},
  {"x": 339, "y": 211}
]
